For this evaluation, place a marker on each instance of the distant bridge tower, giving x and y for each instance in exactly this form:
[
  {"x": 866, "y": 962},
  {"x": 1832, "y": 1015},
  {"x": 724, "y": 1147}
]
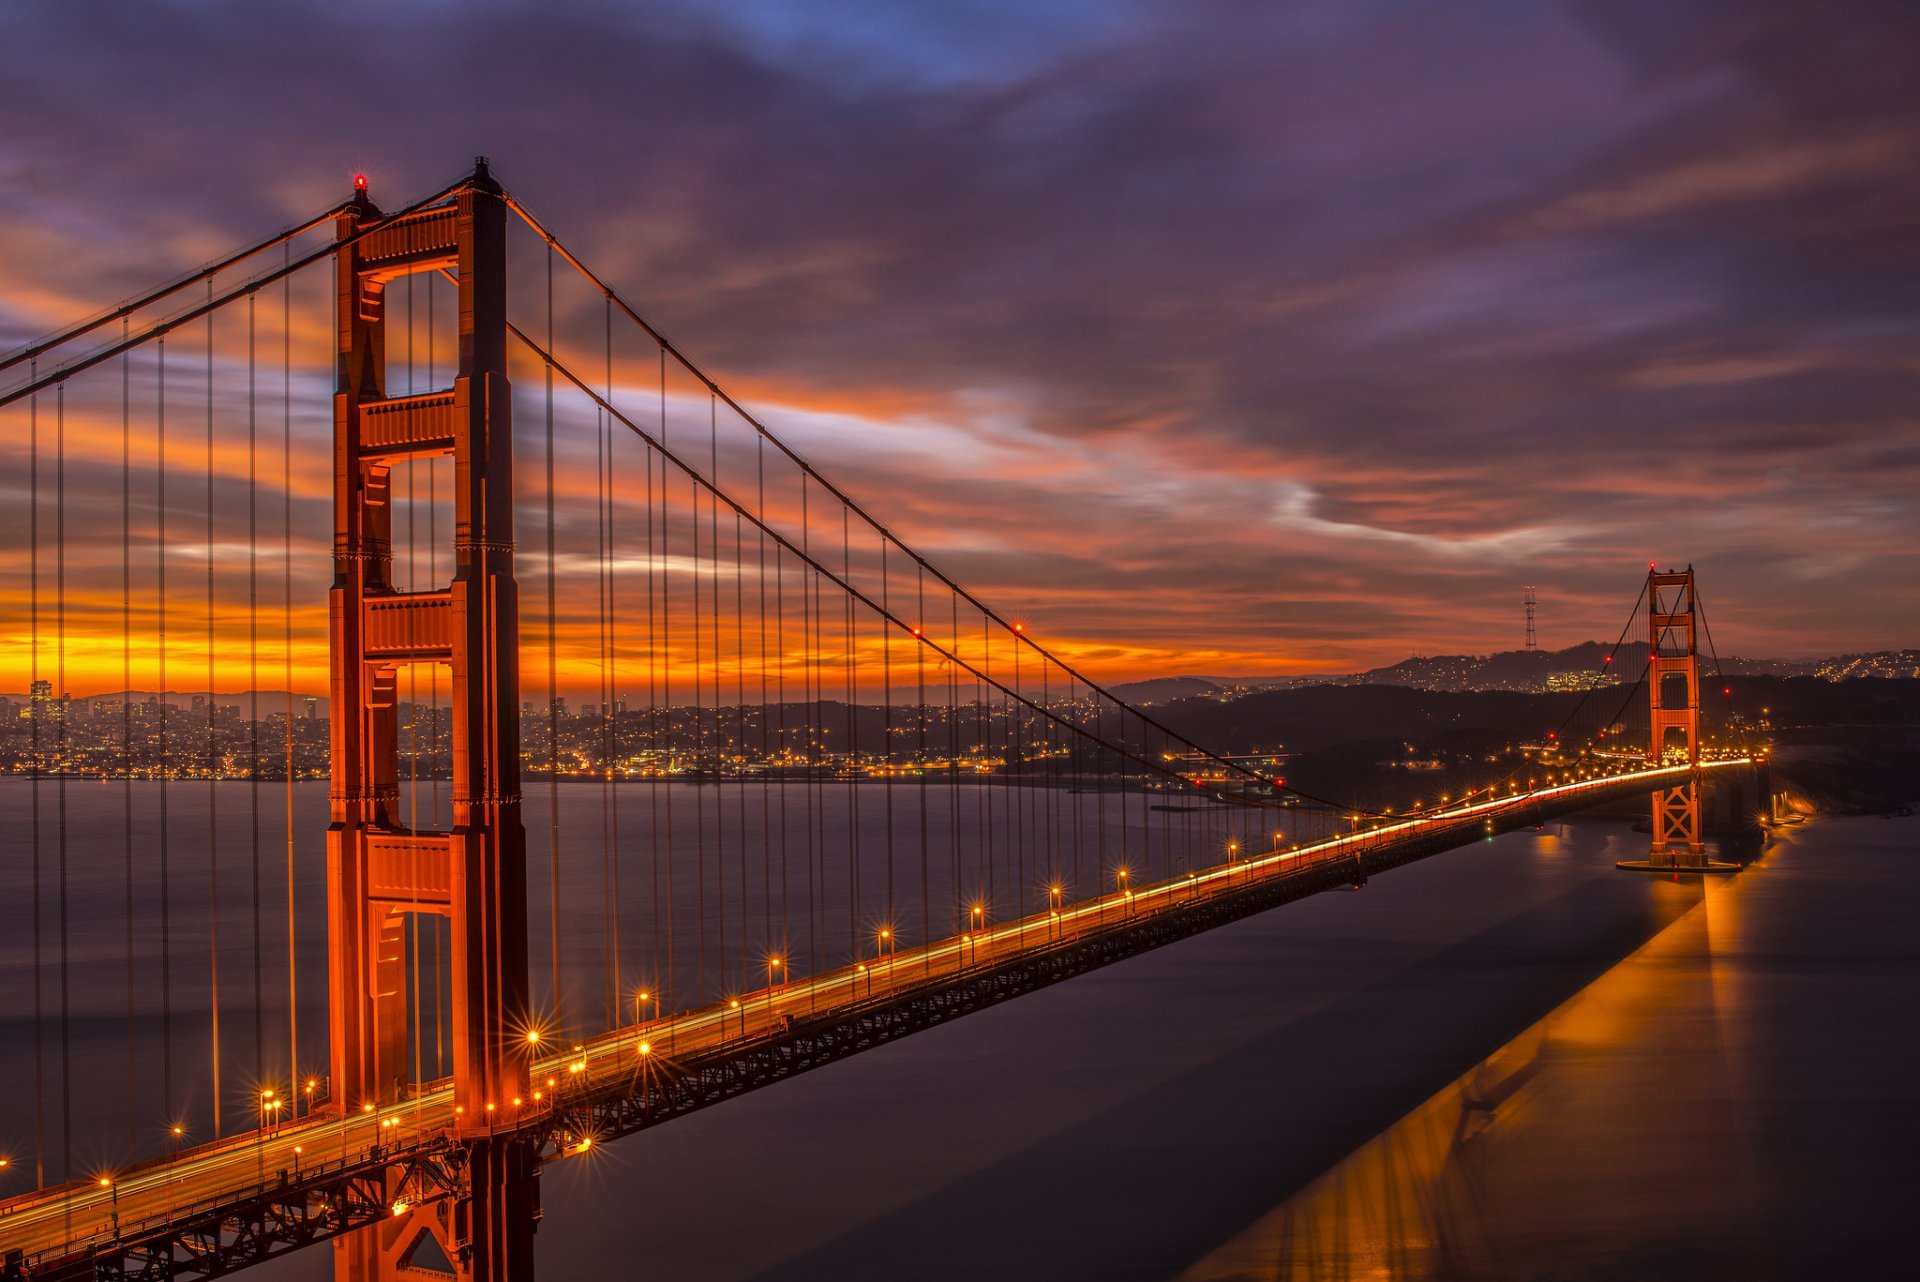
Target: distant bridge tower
[
  {"x": 1673, "y": 688},
  {"x": 378, "y": 871},
  {"x": 1529, "y": 600}
]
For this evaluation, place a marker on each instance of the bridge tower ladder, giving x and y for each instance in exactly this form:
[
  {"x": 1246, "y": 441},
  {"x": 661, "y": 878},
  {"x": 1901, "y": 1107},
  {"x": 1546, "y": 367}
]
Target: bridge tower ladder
[{"x": 378, "y": 870}]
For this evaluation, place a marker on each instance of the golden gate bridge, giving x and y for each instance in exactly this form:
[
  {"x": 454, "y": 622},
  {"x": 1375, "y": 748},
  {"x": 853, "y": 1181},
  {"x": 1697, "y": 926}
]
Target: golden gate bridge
[{"x": 820, "y": 795}]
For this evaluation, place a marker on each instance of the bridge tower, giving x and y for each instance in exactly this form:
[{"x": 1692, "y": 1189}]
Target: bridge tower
[
  {"x": 378, "y": 870},
  {"x": 1673, "y": 687}
]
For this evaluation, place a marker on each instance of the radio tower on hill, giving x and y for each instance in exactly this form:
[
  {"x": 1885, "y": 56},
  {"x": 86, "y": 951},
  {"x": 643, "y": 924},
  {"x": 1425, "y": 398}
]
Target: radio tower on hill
[{"x": 1529, "y": 600}]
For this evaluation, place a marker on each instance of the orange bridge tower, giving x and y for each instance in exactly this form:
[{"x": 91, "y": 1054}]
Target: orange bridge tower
[
  {"x": 379, "y": 871},
  {"x": 1673, "y": 718}
]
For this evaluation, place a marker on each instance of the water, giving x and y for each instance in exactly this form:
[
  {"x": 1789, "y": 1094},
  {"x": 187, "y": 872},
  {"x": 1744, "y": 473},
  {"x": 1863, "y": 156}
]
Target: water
[
  {"x": 1728, "y": 1093},
  {"x": 1507, "y": 1061},
  {"x": 679, "y": 889}
]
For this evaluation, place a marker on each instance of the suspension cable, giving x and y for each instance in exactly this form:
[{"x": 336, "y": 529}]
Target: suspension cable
[{"x": 161, "y": 328}]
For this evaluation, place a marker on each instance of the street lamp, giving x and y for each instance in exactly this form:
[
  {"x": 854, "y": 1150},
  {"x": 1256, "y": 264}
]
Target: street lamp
[
  {"x": 113, "y": 1190},
  {"x": 1233, "y": 853},
  {"x": 773, "y": 964},
  {"x": 733, "y": 1003}
]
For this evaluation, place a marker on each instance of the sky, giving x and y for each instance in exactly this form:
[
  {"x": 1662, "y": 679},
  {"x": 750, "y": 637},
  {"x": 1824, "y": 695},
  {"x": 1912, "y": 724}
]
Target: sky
[{"x": 1209, "y": 337}]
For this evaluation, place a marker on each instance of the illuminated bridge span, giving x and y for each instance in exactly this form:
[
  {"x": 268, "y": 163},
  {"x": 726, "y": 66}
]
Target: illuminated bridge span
[{"x": 797, "y": 792}]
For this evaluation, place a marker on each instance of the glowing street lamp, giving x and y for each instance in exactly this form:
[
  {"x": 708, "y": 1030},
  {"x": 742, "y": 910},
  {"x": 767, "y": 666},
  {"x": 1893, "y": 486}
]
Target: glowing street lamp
[{"x": 112, "y": 1187}]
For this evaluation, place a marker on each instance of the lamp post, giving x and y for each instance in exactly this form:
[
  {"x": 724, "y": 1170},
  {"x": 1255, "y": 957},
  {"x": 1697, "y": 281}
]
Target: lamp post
[
  {"x": 773, "y": 964},
  {"x": 112, "y": 1187}
]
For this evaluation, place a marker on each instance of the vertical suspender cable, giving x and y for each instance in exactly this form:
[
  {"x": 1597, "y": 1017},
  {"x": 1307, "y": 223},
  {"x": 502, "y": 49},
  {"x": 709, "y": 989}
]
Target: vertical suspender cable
[
  {"x": 766, "y": 725},
  {"x": 810, "y": 724},
  {"x": 709, "y": 513},
  {"x": 213, "y": 804},
  {"x": 852, "y": 748},
  {"x": 983, "y": 730},
  {"x": 610, "y": 997},
  {"x": 286, "y": 651},
  {"x": 740, "y": 725},
  {"x": 920, "y": 771},
  {"x": 160, "y": 651},
  {"x": 612, "y": 711},
  {"x": 699, "y": 749},
  {"x": 654, "y": 973},
  {"x": 126, "y": 724},
  {"x": 954, "y": 886},
  {"x": 785, "y": 756},
  {"x": 665, "y": 709},
  {"x": 253, "y": 688},
  {"x": 886, "y": 720},
  {"x": 713, "y": 604},
  {"x": 62, "y": 706},
  {"x": 433, "y": 700},
  {"x": 37, "y": 709},
  {"x": 553, "y": 694}
]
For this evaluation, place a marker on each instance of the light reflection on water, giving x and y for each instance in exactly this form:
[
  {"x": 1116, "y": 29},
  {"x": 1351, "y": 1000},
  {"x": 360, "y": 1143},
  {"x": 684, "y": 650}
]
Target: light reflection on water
[{"x": 1641, "y": 1129}]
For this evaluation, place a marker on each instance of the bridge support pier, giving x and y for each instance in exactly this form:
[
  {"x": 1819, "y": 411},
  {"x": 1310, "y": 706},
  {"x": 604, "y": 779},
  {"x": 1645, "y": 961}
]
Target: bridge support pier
[
  {"x": 483, "y": 1233},
  {"x": 381, "y": 872}
]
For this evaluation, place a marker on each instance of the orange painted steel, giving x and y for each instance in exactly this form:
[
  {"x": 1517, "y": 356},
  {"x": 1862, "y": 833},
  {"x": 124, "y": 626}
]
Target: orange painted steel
[
  {"x": 1671, "y": 652},
  {"x": 378, "y": 870}
]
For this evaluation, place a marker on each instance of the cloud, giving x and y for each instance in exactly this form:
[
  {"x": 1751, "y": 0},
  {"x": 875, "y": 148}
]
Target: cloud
[{"x": 1207, "y": 329}]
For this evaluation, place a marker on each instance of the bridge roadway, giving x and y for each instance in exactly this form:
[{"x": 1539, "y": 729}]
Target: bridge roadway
[{"x": 58, "y": 1228}]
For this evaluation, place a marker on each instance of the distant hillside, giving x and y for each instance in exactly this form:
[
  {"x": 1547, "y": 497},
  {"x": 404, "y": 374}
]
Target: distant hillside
[
  {"x": 1849, "y": 744},
  {"x": 1533, "y": 670},
  {"x": 1522, "y": 671},
  {"x": 1163, "y": 690}
]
